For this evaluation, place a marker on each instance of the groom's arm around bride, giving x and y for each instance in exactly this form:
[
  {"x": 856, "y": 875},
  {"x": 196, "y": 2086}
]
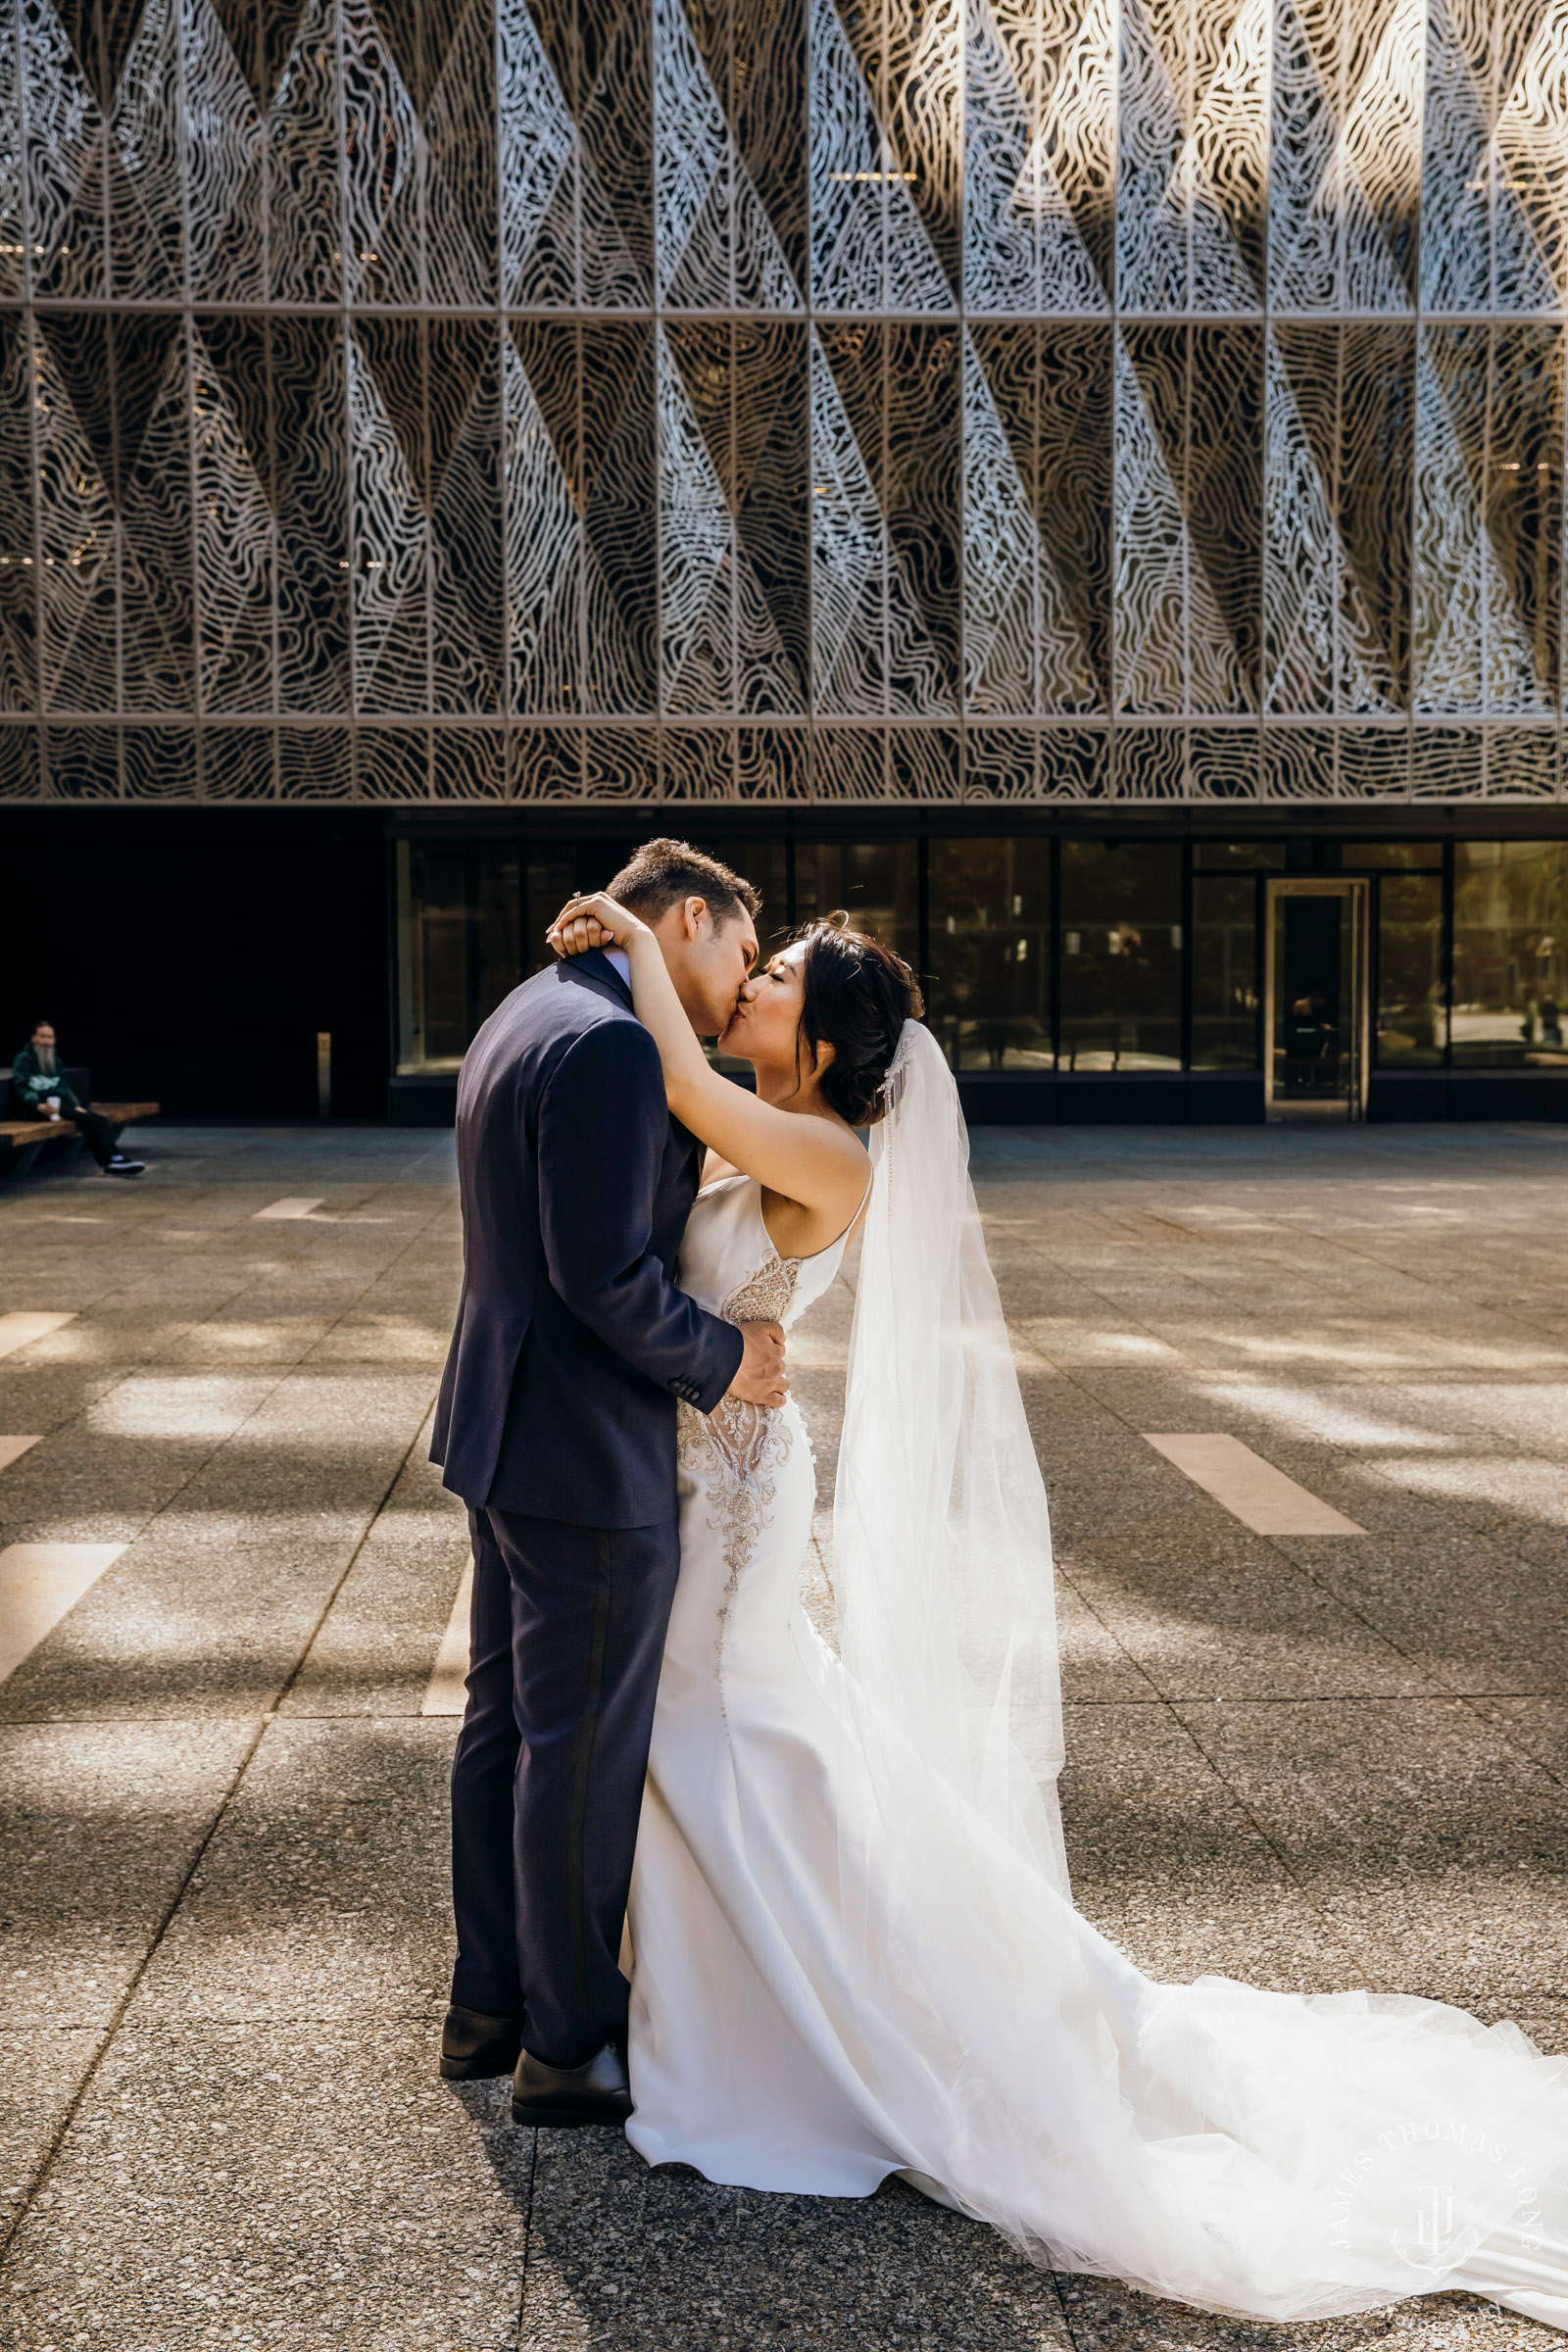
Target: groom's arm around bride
[{"x": 556, "y": 1424}]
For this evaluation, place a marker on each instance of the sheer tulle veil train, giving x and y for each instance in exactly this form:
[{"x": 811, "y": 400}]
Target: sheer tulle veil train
[{"x": 1269, "y": 2155}]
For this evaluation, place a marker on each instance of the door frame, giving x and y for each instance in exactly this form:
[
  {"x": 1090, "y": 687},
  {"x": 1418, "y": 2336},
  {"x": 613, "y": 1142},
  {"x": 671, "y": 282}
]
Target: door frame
[{"x": 1357, "y": 891}]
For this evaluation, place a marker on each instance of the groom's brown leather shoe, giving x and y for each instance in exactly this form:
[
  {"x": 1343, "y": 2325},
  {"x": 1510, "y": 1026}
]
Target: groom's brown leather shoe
[
  {"x": 598, "y": 2092},
  {"x": 474, "y": 2046}
]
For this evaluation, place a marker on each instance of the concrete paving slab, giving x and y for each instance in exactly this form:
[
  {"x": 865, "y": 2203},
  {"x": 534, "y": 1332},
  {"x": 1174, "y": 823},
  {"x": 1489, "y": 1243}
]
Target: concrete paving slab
[
  {"x": 207, "y": 1614},
  {"x": 1537, "y": 1726},
  {"x": 1317, "y": 1316},
  {"x": 250, "y": 2186},
  {"x": 19, "y": 1327},
  {"x": 1103, "y": 2313},
  {"x": 662, "y": 2261},
  {"x": 1252, "y": 1489},
  {"x": 324, "y": 1891},
  {"x": 1462, "y": 1607},
  {"x": 1213, "y": 1613},
  {"x": 100, "y": 1825},
  {"x": 1095, "y": 1666},
  {"x": 447, "y": 1691},
  {"x": 377, "y": 1647},
  {"x": 1436, "y": 1844},
  {"x": 38, "y": 1584},
  {"x": 41, "y": 2070}
]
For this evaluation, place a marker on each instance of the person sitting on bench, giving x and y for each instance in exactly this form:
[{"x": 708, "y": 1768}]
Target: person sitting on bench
[{"x": 40, "y": 1090}]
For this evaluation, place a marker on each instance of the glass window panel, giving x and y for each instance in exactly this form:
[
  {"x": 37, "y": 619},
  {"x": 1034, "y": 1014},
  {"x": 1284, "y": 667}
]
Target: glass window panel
[
  {"x": 764, "y": 864},
  {"x": 556, "y": 869},
  {"x": 1406, "y": 856},
  {"x": 1121, "y": 956},
  {"x": 1411, "y": 1015},
  {"x": 1224, "y": 973},
  {"x": 1220, "y": 856},
  {"x": 990, "y": 953},
  {"x": 876, "y": 882},
  {"x": 460, "y": 947},
  {"x": 1510, "y": 951}
]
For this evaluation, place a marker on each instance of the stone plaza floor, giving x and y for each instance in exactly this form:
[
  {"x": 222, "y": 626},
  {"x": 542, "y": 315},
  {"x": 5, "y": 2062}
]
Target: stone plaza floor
[{"x": 1312, "y": 1761}]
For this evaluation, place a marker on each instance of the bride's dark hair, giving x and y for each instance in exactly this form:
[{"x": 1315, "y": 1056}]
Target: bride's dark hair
[{"x": 858, "y": 996}]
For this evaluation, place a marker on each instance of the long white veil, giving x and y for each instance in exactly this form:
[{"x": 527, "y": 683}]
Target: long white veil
[
  {"x": 1250, "y": 2152},
  {"x": 940, "y": 1532},
  {"x": 940, "y": 1535}
]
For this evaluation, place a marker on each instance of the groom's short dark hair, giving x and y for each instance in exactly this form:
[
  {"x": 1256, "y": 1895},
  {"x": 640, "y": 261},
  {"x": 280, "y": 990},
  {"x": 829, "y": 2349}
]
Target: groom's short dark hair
[{"x": 662, "y": 872}]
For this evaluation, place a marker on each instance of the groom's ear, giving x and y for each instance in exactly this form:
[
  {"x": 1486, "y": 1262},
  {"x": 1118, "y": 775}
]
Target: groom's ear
[{"x": 691, "y": 917}]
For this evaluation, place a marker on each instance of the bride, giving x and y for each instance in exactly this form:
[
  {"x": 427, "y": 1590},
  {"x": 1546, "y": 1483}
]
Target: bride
[{"x": 854, "y": 1948}]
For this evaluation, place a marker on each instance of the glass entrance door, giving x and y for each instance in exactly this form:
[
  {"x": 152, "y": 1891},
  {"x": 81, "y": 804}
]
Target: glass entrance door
[{"x": 1317, "y": 1001}]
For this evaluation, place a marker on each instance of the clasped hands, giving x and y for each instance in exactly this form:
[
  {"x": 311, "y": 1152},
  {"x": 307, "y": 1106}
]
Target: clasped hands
[
  {"x": 593, "y": 919},
  {"x": 596, "y": 920}
]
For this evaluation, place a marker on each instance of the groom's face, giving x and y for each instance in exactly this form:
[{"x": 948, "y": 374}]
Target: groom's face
[{"x": 707, "y": 961}]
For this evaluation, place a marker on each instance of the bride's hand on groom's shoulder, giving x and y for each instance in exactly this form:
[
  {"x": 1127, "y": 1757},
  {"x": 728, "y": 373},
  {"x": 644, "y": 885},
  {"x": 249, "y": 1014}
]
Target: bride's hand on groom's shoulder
[
  {"x": 593, "y": 920},
  {"x": 761, "y": 1378}
]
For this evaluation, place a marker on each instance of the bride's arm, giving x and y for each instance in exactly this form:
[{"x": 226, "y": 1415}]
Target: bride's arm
[
  {"x": 716, "y": 1168},
  {"x": 812, "y": 1161}
]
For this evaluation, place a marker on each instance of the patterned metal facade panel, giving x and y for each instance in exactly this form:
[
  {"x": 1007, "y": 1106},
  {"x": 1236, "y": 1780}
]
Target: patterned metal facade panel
[{"x": 837, "y": 401}]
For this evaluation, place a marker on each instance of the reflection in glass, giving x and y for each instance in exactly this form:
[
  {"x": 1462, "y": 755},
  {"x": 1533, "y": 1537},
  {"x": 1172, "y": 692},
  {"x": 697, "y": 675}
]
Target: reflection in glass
[
  {"x": 1220, "y": 856},
  {"x": 877, "y": 883},
  {"x": 458, "y": 947},
  {"x": 990, "y": 953},
  {"x": 1510, "y": 952},
  {"x": 1121, "y": 956},
  {"x": 764, "y": 864},
  {"x": 1224, "y": 973},
  {"x": 1403, "y": 857},
  {"x": 1413, "y": 1018},
  {"x": 1317, "y": 973}
]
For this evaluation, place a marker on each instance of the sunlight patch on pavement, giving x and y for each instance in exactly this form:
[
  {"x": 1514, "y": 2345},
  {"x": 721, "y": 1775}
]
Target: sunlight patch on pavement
[
  {"x": 38, "y": 1584},
  {"x": 201, "y": 1406},
  {"x": 12, "y": 1449},
  {"x": 21, "y": 1328},
  {"x": 1301, "y": 1413},
  {"x": 1069, "y": 1340},
  {"x": 447, "y": 1694},
  {"x": 1528, "y": 1490},
  {"x": 282, "y": 1213},
  {"x": 1252, "y": 1489},
  {"x": 1342, "y": 1346}
]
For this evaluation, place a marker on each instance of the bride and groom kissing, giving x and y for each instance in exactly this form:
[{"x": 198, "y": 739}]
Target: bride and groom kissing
[{"x": 836, "y": 1874}]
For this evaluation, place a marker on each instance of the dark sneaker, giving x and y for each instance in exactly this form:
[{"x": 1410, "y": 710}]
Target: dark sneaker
[{"x": 120, "y": 1166}]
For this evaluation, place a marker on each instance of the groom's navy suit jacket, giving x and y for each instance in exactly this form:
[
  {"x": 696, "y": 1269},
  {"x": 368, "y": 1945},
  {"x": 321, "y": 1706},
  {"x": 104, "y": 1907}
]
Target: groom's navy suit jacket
[{"x": 572, "y": 1342}]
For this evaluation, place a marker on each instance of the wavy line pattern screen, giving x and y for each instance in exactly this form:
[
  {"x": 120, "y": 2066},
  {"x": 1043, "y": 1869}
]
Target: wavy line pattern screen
[{"x": 781, "y": 399}]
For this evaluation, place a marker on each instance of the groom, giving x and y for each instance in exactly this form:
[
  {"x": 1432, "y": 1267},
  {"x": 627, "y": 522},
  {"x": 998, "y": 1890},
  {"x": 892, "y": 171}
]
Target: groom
[{"x": 556, "y": 1426}]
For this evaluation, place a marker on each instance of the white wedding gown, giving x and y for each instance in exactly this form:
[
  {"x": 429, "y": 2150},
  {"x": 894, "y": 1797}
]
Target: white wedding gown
[{"x": 834, "y": 1981}]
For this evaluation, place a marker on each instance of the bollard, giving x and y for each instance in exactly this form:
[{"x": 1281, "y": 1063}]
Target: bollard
[{"x": 324, "y": 1073}]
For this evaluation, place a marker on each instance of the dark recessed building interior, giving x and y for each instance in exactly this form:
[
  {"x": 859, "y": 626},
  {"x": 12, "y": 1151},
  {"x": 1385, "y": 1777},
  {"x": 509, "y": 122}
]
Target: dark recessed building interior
[{"x": 1080, "y": 487}]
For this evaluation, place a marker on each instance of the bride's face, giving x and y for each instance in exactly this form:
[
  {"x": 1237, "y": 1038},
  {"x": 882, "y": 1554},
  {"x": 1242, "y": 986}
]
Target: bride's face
[{"x": 767, "y": 1016}]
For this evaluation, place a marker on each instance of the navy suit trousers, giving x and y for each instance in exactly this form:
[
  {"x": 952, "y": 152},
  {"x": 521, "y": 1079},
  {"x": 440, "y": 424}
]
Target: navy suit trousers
[{"x": 569, "y": 1633}]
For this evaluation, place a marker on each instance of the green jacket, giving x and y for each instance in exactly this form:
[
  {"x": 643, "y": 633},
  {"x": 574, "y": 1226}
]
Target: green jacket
[{"x": 32, "y": 1087}]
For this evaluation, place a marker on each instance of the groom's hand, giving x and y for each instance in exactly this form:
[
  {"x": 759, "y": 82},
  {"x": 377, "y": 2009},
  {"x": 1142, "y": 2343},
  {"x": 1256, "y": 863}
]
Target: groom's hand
[{"x": 761, "y": 1379}]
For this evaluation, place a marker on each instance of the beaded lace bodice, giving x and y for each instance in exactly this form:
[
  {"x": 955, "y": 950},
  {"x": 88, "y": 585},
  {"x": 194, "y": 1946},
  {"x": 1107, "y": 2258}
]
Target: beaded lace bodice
[{"x": 729, "y": 1265}]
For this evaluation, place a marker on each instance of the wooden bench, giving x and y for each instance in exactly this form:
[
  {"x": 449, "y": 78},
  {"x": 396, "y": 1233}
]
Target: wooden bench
[{"x": 22, "y": 1139}]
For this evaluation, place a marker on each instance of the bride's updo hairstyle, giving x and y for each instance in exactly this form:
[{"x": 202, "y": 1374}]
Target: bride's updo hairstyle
[{"x": 858, "y": 996}]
